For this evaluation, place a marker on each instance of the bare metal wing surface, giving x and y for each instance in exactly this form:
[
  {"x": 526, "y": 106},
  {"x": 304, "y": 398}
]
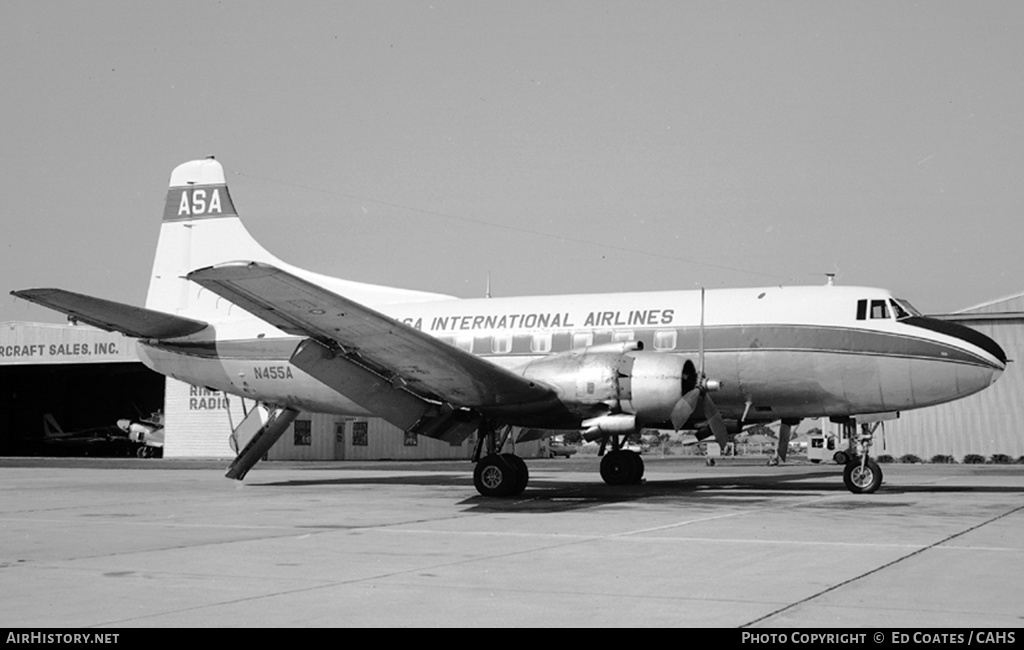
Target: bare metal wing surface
[
  {"x": 422, "y": 364},
  {"x": 113, "y": 316}
]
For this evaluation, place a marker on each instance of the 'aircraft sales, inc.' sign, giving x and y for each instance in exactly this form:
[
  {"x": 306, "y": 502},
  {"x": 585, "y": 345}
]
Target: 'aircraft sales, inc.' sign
[{"x": 28, "y": 343}]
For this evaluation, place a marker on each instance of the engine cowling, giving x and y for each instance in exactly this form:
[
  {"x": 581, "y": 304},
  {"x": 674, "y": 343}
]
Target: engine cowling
[
  {"x": 616, "y": 378},
  {"x": 657, "y": 382}
]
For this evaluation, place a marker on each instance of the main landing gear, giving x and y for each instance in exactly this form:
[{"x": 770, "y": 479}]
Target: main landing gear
[
  {"x": 862, "y": 475},
  {"x": 497, "y": 474},
  {"x": 500, "y": 474},
  {"x": 620, "y": 466}
]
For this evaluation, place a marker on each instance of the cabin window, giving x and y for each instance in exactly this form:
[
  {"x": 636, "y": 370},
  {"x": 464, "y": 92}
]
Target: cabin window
[
  {"x": 582, "y": 340},
  {"x": 540, "y": 343},
  {"x": 622, "y": 336},
  {"x": 665, "y": 340},
  {"x": 501, "y": 344},
  {"x": 464, "y": 343}
]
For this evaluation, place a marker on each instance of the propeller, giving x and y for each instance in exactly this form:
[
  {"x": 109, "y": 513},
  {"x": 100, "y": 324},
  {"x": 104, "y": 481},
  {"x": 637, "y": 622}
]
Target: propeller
[
  {"x": 785, "y": 429},
  {"x": 698, "y": 395}
]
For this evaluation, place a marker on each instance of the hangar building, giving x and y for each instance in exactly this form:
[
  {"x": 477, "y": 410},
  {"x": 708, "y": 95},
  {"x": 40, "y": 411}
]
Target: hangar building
[
  {"x": 83, "y": 378},
  {"x": 986, "y": 423},
  {"x": 86, "y": 379}
]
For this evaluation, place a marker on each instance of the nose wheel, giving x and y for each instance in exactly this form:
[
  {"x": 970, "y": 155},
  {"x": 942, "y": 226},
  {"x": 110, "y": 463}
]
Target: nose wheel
[{"x": 862, "y": 476}]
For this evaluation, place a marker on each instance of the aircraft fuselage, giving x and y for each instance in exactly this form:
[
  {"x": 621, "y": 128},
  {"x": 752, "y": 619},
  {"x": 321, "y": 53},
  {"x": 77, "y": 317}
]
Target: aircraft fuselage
[{"x": 779, "y": 352}]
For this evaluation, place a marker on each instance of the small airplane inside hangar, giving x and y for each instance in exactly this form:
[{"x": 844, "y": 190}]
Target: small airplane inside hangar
[{"x": 64, "y": 388}]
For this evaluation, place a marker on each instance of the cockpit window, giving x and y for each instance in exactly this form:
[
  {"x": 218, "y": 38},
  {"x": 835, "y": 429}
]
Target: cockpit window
[
  {"x": 874, "y": 309},
  {"x": 903, "y": 309},
  {"x": 879, "y": 309}
]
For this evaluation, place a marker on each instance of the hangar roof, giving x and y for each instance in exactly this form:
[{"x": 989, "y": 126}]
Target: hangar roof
[{"x": 1006, "y": 308}]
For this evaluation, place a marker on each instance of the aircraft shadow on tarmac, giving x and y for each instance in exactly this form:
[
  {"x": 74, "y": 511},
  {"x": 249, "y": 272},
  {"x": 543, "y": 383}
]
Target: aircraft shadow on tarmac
[{"x": 553, "y": 494}]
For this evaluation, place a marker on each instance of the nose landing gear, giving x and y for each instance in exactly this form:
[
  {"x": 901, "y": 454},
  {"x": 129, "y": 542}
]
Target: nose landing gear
[{"x": 862, "y": 475}]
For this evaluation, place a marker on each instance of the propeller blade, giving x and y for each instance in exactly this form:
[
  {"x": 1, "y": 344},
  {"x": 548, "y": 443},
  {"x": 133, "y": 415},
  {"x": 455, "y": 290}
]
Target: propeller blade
[
  {"x": 701, "y": 357},
  {"x": 784, "y": 433},
  {"x": 716, "y": 422},
  {"x": 684, "y": 408}
]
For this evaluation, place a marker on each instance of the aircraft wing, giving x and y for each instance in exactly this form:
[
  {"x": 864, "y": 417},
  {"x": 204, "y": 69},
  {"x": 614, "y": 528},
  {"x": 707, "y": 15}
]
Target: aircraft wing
[
  {"x": 402, "y": 355},
  {"x": 113, "y": 316}
]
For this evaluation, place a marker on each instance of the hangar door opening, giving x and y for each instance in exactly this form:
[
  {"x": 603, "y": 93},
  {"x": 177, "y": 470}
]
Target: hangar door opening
[{"x": 85, "y": 399}]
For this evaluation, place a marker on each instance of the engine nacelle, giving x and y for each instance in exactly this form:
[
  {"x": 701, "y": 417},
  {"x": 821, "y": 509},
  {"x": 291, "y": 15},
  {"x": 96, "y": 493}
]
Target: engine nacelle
[
  {"x": 657, "y": 382},
  {"x": 616, "y": 378}
]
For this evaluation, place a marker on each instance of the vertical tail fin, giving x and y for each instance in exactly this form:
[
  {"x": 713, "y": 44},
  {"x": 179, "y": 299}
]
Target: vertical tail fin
[
  {"x": 50, "y": 427},
  {"x": 200, "y": 227}
]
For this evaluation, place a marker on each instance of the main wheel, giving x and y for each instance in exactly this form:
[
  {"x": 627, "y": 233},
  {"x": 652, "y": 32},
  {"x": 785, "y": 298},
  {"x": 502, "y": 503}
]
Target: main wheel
[
  {"x": 495, "y": 476},
  {"x": 862, "y": 480},
  {"x": 639, "y": 466},
  {"x": 522, "y": 473},
  {"x": 621, "y": 468}
]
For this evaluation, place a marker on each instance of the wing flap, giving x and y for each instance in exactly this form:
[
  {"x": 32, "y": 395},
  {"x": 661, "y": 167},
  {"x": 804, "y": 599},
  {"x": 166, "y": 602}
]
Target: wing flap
[
  {"x": 113, "y": 316},
  {"x": 421, "y": 364}
]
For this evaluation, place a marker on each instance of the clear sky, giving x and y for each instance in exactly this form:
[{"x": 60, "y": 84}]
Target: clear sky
[{"x": 561, "y": 146}]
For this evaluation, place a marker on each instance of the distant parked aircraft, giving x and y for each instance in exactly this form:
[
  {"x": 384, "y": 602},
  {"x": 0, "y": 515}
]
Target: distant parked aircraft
[{"x": 147, "y": 434}]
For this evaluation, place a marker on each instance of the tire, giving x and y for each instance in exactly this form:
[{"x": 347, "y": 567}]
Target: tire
[
  {"x": 862, "y": 480},
  {"x": 621, "y": 468},
  {"x": 522, "y": 473},
  {"x": 494, "y": 476},
  {"x": 639, "y": 467},
  {"x": 842, "y": 458}
]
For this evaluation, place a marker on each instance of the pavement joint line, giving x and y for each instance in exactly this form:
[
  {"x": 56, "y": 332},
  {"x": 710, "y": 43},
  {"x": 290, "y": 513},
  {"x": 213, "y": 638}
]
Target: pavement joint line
[{"x": 879, "y": 568}]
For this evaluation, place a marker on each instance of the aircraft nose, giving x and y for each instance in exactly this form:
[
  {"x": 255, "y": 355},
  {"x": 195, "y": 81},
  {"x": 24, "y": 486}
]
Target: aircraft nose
[{"x": 981, "y": 346}]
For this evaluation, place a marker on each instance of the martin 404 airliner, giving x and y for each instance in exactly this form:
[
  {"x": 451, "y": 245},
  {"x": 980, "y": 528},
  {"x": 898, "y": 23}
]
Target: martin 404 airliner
[{"x": 223, "y": 312}]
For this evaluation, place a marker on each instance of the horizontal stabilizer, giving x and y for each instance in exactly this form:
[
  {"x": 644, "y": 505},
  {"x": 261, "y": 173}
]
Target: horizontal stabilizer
[{"x": 113, "y": 316}]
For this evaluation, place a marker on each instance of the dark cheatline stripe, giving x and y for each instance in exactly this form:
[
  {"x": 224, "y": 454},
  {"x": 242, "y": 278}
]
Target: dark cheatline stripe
[
  {"x": 961, "y": 332},
  {"x": 734, "y": 338}
]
